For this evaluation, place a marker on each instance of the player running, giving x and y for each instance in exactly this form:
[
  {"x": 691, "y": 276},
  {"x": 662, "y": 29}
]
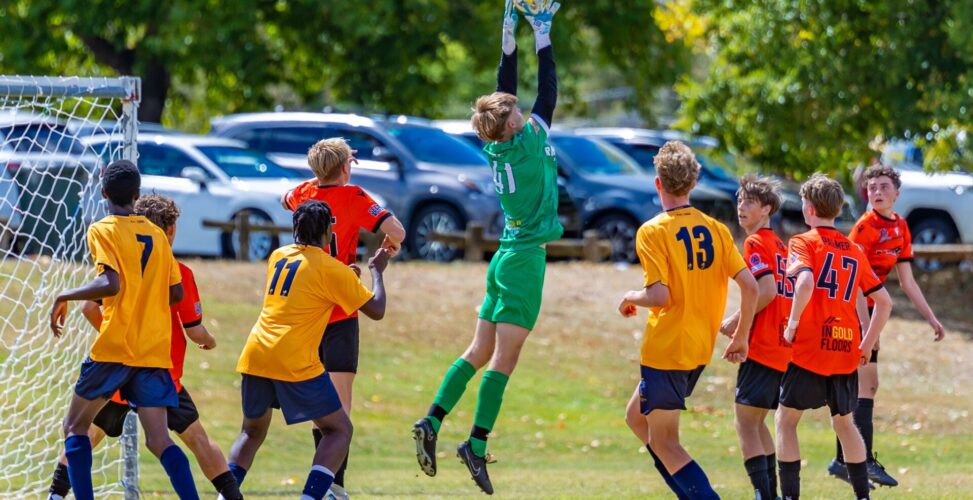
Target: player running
[
  {"x": 352, "y": 210},
  {"x": 280, "y": 363},
  {"x": 884, "y": 237},
  {"x": 831, "y": 273},
  {"x": 184, "y": 419},
  {"x": 758, "y": 380},
  {"x": 525, "y": 175},
  {"x": 688, "y": 259},
  {"x": 138, "y": 279}
]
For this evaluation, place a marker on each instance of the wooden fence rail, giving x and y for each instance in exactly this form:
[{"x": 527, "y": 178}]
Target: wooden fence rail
[
  {"x": 945, "y": 253},
  {"x": 475, "y": 244}
]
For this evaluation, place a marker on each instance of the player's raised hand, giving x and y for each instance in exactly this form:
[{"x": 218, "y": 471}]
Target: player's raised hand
[
  {"x": 540, "y": 13},
  {"x": 58, "y": 314},
  {"x": 509, "y": 41},
  {"x": 392, "y": 246},
  {"x": 379, "y": 261}
]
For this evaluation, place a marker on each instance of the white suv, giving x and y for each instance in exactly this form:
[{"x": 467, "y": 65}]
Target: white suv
[{"x": 937, "y": 206}]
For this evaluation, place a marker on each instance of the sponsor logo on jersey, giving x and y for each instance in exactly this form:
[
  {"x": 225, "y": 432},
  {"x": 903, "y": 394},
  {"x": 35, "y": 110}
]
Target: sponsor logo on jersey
[{"x": 374, "y": 210}]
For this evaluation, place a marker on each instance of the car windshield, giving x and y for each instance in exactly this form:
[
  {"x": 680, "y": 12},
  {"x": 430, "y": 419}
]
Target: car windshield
[
  {"x": 246, "y": 164},
  {"x": 40, "y": 138},
  {"x": 433, "y": 145},
  {"x": 595, "y": 157}
]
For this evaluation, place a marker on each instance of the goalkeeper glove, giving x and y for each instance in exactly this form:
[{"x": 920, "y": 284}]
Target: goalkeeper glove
[
  {"x": 509, "y": 43},
  {"x": 540, "y": 13}
]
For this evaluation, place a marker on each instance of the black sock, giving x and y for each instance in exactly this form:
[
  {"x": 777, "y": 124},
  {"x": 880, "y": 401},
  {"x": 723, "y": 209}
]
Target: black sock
[
  {"x": 858, "y": 474},
  {"x": 318, "y": 436},
  {"x": 839, "y": 453},
  {"x": 772, "y": 473},
  {"x": 437, "y": 412},
  {"x": 757, "y": 470},
  {"x": 60, "y": 483},
  {"x": 790, "y": 479},
  {"x": 339, "y": 477},
  {"x": 863, "y": 420},
  {"x": 227, "y": 486}
]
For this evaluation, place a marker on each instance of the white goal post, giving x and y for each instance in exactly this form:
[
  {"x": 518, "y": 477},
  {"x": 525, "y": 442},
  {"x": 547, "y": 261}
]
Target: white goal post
[{"x": 49, "y": 193}]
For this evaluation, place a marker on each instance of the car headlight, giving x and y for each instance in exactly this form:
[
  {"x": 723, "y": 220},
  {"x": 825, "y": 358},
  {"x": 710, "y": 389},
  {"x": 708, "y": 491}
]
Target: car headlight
[{"x": 961, "y": 189}]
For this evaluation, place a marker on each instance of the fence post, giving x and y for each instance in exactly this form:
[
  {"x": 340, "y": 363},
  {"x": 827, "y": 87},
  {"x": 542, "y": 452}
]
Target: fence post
[
  {"x": 474, "y": 242},
  {"x": 130, "y": 454},
  {"x": 243, "y": 233},
  {"x": 591, "y": 245}
]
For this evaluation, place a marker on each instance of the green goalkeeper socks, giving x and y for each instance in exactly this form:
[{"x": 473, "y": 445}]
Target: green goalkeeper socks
[
  {"x": 452, "y": 388},
  {"x": 487, "y": 408}
]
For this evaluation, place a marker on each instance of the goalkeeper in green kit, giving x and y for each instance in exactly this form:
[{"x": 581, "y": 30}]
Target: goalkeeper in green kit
[{"x": 525, "y": 175}]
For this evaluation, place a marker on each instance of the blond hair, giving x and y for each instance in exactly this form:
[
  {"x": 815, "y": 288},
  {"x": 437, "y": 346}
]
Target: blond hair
[
  {"x": 825, "y": 195},
  {"x": 763, "y": 190},
  {"x": 490, "y": 115},
  {"x": 677, "y": 168},
  {"x": 160, "y": 210},
  {"x": 327, "y": 156}
]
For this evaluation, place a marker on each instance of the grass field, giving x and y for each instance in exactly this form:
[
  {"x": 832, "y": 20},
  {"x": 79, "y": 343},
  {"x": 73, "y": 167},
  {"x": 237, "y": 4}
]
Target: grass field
[{"x": 561, "y": 432}]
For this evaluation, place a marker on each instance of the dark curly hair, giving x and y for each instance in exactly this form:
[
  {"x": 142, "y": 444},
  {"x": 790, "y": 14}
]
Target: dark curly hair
[
  {"x": 162, "y": 211},
  {"x": 311, "y": 220},
  {"x": 876, "y": 171},
  {"x": 121, "y": 182}
]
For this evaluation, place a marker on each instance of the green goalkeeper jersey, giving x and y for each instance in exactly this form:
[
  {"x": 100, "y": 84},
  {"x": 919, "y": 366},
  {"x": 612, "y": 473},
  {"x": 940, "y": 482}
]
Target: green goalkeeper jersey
[{"x": 525, "y": 175}]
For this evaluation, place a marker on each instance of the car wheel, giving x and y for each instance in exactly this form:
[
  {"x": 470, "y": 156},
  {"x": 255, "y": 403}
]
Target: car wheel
[
  {"x": 933, "y": 231},
  {"x": 261, "y": 244},
  {"x": 620, "y": 230},
  {"x": 434, "y": 218}
]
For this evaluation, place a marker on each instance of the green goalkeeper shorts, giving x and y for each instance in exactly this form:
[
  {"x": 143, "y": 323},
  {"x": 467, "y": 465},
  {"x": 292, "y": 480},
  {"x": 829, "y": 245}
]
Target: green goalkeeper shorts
[{"x": 514, "y": 285}]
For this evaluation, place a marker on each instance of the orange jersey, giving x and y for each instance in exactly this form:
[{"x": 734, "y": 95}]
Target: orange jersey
[
  {"x": 885, "y": 241},
  {"x": 186, "y": 314},
  {"x": 829, "y": 334},
  {"x": 766, "y": 256},
  {"x": 352, "y": 210}
]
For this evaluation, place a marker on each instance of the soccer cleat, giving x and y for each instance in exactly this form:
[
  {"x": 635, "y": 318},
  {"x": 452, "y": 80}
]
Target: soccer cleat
[
  {"x": 840, "y": 471},
  {"x": 425, "y": 438},
  {"x": 876, "y": 472},
  {"x": 476, "y": 465}
]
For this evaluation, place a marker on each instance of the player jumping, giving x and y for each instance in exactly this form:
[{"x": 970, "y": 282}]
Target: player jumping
[
  {"x": 184, "y": 419},
  {"x": 280, "y": 363},
  {"x": 525, "y": 175},
  {"x": 138, "y": 279},
  {"x": 831, "y": 272},
  {"x": 688, "y": 259}
]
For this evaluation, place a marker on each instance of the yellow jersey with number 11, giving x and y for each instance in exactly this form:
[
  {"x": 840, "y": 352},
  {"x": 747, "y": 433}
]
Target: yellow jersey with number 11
[
  {"x": 304, "y": 284},
  {"x": 694, "y": 256}
]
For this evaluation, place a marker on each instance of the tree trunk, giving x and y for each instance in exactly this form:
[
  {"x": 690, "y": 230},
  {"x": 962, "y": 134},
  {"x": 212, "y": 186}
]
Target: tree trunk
[{"x": 156, "y": 81}]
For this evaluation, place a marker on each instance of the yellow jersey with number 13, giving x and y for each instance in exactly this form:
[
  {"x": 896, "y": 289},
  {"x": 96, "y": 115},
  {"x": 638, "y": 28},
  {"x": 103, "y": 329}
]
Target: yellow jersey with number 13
[
  {"x": 695, "y": 256},
  {"x": 136, "y": 328},
  {"x": 304, "y": 284}
]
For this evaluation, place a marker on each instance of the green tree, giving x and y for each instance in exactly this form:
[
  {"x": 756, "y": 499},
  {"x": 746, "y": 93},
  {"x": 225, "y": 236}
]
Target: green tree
[{"x": 804, "y": 86}]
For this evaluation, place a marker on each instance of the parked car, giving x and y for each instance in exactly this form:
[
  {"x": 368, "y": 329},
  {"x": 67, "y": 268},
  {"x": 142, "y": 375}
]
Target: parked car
[
  {"x": 603, "y": 188},
  {"x": 84, "y": 128},
  {"x": 215, "y": 179},
  {"x": 937, "y": 206},
  {"x": 44, "y": 179},
  {"x": 429, "y": 179}
]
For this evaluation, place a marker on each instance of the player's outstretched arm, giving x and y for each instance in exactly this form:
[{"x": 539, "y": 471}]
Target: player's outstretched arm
[
  {"x": 104, "y": 285},
  {"x": 201, "y": 336},
  {"x": 655, "y": 295},
  {"x": 394, "y": 235},
  {"x": 507, "y": 72},
  {"x": 375, "y": 307},
  {"x": 540, "y": 15},
  {"x": 739, "y": 346},
  {"x": 766, "y": 291},
  {"x": 882, "y": 311},
  {"x": 908, "y": 282}
]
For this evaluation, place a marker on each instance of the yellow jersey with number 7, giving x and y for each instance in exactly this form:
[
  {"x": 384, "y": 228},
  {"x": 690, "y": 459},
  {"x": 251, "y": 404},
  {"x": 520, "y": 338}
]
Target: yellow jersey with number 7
[
  {"x": 304, "y": 284},
  {"x": 136, "y": 328},
  {"x": 694, "y": 256}
]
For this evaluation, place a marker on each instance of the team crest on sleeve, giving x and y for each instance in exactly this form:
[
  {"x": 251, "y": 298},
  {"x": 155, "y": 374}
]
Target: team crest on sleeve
[
  {"x": 756, "y": 264},
  {"x": 374, "y": 210},
  {"x": 199, "y": 308}
]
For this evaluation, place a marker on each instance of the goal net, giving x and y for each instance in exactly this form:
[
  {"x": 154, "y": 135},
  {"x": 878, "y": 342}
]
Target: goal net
[{"x": 49, "y": 193}]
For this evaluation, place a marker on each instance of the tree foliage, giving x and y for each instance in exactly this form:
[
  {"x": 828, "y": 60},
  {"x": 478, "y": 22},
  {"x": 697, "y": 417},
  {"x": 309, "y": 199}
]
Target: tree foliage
[
  {"x": 199, "y": 58},
  {"x": 808, "y": 85}
]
